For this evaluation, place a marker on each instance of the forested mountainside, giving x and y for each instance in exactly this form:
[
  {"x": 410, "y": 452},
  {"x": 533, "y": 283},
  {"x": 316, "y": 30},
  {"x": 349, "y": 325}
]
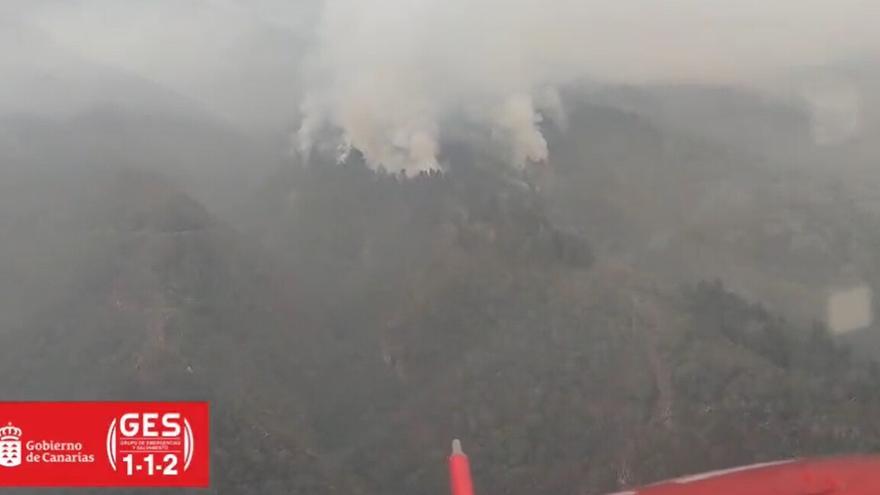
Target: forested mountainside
[
  {"x": 602, "y": 243},
  {"x": 351, "y": 321}
]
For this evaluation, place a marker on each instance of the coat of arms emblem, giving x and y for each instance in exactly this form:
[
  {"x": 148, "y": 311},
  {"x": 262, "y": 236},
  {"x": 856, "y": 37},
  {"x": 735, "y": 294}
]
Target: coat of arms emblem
[{"x": 10, "y": 446}]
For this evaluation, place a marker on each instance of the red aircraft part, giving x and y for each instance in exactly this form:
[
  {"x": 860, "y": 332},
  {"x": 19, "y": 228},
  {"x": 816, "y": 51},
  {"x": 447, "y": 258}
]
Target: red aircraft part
[
  {"x": 855, "y": 475},
  {"x": 459, "y": 471},
  {"x": 832, "y": 476}
]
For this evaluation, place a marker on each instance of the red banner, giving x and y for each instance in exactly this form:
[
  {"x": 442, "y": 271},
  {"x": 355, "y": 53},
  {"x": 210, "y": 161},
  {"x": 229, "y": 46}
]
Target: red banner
[{"x": 67, "y": 444}]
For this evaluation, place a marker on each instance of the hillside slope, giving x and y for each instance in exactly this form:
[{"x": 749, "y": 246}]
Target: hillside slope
[{"x": 361, "y": 319}]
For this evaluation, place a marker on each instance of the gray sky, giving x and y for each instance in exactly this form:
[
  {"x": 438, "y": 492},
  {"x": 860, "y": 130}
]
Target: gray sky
[{"x": 239, "y": 59}]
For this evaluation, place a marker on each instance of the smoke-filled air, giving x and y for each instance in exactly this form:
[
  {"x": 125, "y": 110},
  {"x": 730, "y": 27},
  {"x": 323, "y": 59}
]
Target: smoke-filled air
[
  {"x": 598, "y": 243},
  {"x": 394, "y": 78}
]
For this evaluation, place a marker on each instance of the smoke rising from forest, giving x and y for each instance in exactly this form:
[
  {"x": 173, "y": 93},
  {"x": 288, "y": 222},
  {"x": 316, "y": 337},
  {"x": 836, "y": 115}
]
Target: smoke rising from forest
[{"x": 392, "y": 78}]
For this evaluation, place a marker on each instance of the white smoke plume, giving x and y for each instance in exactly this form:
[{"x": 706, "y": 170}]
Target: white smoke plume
[
  {"x": 392, "y": 78},
  {"x": 388, "y": 75},
  {"x": 395, "y": 77}
]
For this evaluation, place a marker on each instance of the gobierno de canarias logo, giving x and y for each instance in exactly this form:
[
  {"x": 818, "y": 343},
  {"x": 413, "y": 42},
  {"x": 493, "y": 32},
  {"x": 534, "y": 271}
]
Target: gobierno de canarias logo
[
  {"x": 13, "y": 453},
  {"x": 10, "y": 446}
]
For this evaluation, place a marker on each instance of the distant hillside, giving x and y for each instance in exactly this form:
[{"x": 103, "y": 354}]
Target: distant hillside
[
  {"x": 165, "y": 302},
  {"x": 349, "y": 322},
  {"x": 688, "y": 208},
  {"x": 215, "y": 163},
  {"x": 46, "y": 79},
  {"x": 752, "y": 122}
]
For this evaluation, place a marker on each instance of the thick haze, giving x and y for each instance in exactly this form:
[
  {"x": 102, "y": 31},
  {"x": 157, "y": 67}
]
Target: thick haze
[
  {"x": 655, "y": 232},
  {"x": 388, "y": 73},
  {"x": 386, "y": 76}
]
